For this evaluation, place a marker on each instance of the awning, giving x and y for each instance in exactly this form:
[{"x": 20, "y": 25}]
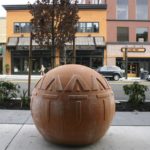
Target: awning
[
  {"x": 99, "y": 41},
  {"x": 82, "y": 43},
  {"x": 12, "y": 42},
  {"x": 87, "y": 43},
  {"x": 25, "y": 41}
]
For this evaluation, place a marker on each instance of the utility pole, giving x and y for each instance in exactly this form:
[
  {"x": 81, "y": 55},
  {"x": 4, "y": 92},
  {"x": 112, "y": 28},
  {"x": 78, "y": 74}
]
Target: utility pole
[
  {"x": 126, "y": 63},
  {"x": 30, "y": 65}
]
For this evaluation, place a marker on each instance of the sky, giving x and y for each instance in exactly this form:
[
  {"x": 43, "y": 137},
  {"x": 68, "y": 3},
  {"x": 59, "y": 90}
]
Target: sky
[{"x": 11, "y": 2}]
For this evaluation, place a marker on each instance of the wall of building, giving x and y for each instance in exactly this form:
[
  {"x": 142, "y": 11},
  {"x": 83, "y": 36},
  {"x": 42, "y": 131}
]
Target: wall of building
[
  {"x": 94, "y": 16},
  {"x": 132, "y": 25},
  {"x": 16, "y": 16},
  {"x": 86, "y": 15},
  {"x": 131, "y": 22},
  {"x": 2, "y": 30},
  {"x": 114, "y": 47},
  {"x": 2, "y": 43}
]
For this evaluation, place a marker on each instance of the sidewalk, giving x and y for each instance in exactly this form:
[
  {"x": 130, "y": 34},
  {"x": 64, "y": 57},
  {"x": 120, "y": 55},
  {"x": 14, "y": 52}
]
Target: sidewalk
[
  {"x": 36, "y": 77},
  {"x": 19, "y": 77},
  {"x": 128, "y": 131}
]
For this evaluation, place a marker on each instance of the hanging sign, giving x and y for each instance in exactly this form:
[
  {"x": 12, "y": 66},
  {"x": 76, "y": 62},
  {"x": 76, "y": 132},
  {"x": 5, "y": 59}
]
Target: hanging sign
[{"x": 141, "y": 50}]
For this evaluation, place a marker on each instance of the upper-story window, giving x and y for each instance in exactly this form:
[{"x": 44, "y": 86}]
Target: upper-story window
[
  {"x": 21, "y": 27},
  {"x": 88, "y": 27},
  {"x": 122, "y": 34},
  {"x": 122, "y": 9},
  {"x": 142, "y": 34},
  {"x": 142, "y": 9}
]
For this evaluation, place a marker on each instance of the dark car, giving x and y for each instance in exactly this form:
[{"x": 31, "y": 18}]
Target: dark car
[{"x": 111, "y": 72}]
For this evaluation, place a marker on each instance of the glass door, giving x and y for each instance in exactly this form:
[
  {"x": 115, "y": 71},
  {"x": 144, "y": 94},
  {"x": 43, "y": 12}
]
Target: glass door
[
  {"x": 133, "y": 69},
  {"x": 36, "y": 65}
]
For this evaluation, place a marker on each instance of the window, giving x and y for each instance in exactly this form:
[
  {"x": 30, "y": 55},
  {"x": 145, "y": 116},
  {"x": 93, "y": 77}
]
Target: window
[
  {"x": 21, "y": 27},
  {"x": 122, "y": 9},
  {"x": 88, "y": 27},
  {"x": 122, "y": 34},
  {"x": 142, "y": 9},
  {"x": 142, "y": 34}
]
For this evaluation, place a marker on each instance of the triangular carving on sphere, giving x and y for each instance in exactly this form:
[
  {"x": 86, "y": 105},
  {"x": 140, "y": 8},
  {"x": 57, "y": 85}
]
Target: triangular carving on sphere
[
  {"x": 54, "y": 84},
  {"x": 97, "y": 84},
  {"x": 76, "y": 83},
  {"x": 39, "y": 83}
]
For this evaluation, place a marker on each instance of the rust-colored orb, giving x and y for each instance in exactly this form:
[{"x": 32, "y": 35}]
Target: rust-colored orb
[{"x": 72, "y": 104}]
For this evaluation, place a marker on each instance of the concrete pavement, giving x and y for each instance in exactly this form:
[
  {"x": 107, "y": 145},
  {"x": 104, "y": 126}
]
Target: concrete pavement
[{"x": 128, "y": 131}]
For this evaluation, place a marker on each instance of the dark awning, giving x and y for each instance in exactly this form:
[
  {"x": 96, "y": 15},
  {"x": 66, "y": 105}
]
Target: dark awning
[{"x": 12, "y": 42}]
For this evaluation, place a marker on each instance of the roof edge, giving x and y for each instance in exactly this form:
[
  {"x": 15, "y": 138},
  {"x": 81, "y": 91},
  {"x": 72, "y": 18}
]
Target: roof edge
[{"x": 81, "y": 6}]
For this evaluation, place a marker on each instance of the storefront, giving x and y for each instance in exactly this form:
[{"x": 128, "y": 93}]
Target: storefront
[
  {"x": 89, "y": 52},
  {"x": 91, "y": 58},
  {"x": 137, "y": 57},
  {"x": 135, "y": 65},
  {"x": 19, "y": 61}
]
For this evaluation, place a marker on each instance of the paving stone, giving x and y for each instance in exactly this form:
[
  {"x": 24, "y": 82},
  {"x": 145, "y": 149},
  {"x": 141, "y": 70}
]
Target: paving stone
[
  {"x": 117, "y": 138},
  {"x": 7, "y": 132},
  {"x": 13, "y": 116},
  {"x": 132, "y": 119}
]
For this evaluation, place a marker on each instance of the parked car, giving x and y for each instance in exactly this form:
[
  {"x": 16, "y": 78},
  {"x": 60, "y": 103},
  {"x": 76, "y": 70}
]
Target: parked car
[{"x": 111, "y": 72}]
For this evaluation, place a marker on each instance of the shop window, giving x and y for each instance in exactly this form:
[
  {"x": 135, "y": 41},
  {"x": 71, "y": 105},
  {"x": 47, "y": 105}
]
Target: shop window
[
  {"x": 122, "y": 34},
  {"x": 88, "y": 27},
  {"x": 142, "y": 34},
  {"x": 17, "y": 65},
  {"x": 142, "y": 9},
  {"x": 21, "y": 27},
  {"x": 122, "y": 9}
]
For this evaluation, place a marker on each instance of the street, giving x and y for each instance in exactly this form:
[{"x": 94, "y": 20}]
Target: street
[{"x": 117, "y": 87}]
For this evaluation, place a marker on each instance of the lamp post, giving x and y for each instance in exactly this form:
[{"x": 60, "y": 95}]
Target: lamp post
[{"x": 30, "y": 65}]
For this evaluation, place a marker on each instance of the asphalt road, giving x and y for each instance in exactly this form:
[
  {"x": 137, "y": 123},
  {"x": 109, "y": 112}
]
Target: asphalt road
[{"x": 117, "y": 87}]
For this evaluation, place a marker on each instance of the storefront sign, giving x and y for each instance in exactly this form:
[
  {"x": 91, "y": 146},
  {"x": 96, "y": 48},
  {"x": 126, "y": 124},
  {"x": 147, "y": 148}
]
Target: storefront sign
[{"x": 141, "y": 50}]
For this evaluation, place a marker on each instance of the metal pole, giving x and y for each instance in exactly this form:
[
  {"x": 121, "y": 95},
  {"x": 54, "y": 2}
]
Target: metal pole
[
  {"x": 30, "y": 65},
  {"x": 74, "y": 51},
  {"x": 126, "y": 63}
]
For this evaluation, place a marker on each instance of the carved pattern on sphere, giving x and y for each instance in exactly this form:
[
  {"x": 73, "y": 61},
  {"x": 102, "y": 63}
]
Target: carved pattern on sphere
[{"x": 72, "y": 104}]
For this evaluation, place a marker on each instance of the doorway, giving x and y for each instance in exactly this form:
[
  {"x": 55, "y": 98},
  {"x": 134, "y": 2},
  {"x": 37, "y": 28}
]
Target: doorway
[{"x": 133, "y": 69}]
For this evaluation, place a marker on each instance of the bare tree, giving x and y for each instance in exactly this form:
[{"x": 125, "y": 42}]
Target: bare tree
[{"x": 54, "y": 23}]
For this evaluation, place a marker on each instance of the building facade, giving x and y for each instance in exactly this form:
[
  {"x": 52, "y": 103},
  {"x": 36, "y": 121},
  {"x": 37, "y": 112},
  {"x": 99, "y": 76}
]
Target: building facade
[
  {"x": 128, "y": 26},
  {"x": 90, "y": 39},
  {"x": 2, "y": 44}
]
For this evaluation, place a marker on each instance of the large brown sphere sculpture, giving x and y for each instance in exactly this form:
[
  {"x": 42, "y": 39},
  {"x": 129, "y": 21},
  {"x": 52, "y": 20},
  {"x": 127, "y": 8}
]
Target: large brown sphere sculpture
[{"x": 73, "y": 105}]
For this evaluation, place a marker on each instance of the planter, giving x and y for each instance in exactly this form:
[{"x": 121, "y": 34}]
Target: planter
[{"x": 126, "y": 106}]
